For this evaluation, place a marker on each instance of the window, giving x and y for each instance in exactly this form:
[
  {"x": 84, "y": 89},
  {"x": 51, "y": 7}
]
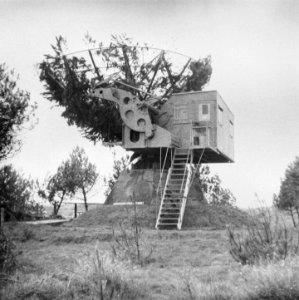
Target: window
[
  {"x": 204, "y": 112},
  {"x": 180, "y": 113},
  {"x": 201, "y": 136},
  {"x": 220, "y": 115},
  {"x": 134, "y": 136}
]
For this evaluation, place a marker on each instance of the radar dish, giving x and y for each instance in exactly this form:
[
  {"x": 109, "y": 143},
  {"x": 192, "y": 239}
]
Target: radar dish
[{"x": 152, "y": 74}]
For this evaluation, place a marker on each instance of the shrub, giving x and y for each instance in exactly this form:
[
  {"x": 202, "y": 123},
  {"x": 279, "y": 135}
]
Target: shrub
[
  {"x": 264, "y": 238},
  {"x": 128, "y": 242},
  {"x": 7, "y": 256},
  {"x": 28, "y": 234}
]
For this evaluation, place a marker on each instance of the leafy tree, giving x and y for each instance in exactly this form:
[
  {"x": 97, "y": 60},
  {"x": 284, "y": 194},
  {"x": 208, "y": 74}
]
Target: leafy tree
[
  {"x": 288, "y": 197},
  {"x": 211, "y": 188},
  {"x": 15, "y": 111},
  {"x": 84, "y": 173},
  {"x": 68, "y": 80},
  {"x": 60, "y": 186},
  {"x": 76, "y": 174},
  {"x": 16, "y": 194},
  {"x": 119, "y": 165}
]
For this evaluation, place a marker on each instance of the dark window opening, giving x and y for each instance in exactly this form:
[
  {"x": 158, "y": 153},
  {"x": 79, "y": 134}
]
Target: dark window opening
[
  {"x": 134, "y": 136},
  {"x": 205, "y": 109},
  {"x": 196, "y": 141}
]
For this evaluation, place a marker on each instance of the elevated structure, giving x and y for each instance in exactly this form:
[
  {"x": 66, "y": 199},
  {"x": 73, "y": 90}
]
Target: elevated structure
[
  {"x": 182, "y": 129},
  {"x": 196, "y": 126}
]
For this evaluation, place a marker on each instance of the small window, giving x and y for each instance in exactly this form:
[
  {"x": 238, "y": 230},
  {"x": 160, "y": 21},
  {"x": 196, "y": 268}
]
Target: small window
[
  {"x": 180, "y": 113},
  {"x": 220, "y": 115},
  {"x": 201, "y": 137},
  {"x": 134, "y": 136},
  {"x": 204, "y": 112},
  {"x": 205, "y": 109}
]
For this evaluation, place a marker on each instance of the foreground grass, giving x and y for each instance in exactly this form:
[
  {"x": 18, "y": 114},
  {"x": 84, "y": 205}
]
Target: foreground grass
[{"x": 62, "y": 263}]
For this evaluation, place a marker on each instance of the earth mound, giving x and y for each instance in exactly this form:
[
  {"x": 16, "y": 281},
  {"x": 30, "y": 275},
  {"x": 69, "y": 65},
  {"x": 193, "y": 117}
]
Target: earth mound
[{"x": 196, "y": 216}]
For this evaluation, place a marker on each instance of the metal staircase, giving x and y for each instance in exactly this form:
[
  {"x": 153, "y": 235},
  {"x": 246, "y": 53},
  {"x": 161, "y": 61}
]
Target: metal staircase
[{"x": 176, "y": 190}]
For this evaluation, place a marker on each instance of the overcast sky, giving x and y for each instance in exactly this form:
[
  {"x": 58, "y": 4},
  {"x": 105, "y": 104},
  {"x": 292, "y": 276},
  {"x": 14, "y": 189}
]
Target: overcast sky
[{"x": 254, "y": 47}]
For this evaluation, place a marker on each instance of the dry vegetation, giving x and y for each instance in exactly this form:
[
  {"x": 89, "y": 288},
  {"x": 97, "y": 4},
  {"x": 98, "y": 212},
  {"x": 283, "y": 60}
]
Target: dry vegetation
[{"x": 73, "y": 261}]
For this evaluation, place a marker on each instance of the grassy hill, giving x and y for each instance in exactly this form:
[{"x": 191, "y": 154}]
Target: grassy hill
[
  {"x": 196, "y": 216},
  {"x": 80, "y": 259}
]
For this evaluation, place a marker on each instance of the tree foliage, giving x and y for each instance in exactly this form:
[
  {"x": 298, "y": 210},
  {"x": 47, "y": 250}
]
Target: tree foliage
[
  {"x": 288, "y": 197},
  {"x": 76, "y": 174},
  {"x": 59, "y": 186},
  {"x": 68, "y": 79},
  {"x": 212, "y": 190},
  {"x": 84, "y": 173},
  {"x": 16, "y": 194},
  {"x": 119, "y": 165},
  {"x": 15, "y": 111}
]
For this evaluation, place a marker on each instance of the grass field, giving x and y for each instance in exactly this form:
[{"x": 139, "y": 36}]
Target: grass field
[{"x": 73, "y": 261}]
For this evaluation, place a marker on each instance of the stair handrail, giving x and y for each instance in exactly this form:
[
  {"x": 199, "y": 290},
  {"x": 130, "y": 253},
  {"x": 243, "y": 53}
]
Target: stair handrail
[
  {"x": 161, "y": 172},
  {"x": 181, "y": 189},
  {"x": 163, "y": 195},
  {"x": 184, "y": 198}
]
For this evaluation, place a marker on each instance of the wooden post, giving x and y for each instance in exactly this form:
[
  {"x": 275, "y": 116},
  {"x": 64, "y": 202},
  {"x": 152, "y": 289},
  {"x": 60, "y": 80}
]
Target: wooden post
[
  {"x": 1, "y": 216},
  {"x": 75, "y": 211},
  {"x": 55, "y": 206}
]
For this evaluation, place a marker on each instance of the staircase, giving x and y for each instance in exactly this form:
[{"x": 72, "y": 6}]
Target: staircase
[{"x": 176, "y": 190}]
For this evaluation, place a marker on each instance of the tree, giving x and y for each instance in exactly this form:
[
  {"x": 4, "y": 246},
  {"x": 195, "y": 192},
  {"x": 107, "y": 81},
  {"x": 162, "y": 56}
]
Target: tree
[
  {"x": 16, "y": 193},
  {"x": 68, "y": 79},
  {"x": 76, "y": 174},
  {"x": 15, "y": 111},
  {"x": 58, "y": 187},
  {"x": 288, "y": 197},
  {"x": 84, "y": 173},
  {"x": 119, "y": 165},
  {"x": 211, "y": 188}
]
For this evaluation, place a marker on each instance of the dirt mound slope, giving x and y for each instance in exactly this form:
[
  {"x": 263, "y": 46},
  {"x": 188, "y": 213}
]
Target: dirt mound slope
[{"x": 197, "y": 216}]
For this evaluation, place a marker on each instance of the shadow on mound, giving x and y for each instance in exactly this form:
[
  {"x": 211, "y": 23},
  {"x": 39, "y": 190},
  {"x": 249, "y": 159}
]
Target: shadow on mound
[{"x": 196, "y": 216}]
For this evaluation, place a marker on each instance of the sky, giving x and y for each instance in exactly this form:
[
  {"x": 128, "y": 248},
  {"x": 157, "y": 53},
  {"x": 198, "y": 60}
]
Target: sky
[{"x": 254, "y": 47}]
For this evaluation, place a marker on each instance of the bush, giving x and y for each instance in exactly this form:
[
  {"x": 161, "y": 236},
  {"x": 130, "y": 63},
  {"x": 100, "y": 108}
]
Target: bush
[
  {"x": 7, "y": 257},
  {"x": 264, "y": 238},
  {"x": 28, "y": 234},
  {"x": 129, "y": 243}
]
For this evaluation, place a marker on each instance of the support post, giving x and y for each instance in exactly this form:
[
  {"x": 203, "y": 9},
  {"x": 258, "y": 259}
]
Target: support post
[{"x": 75, "y": 210}]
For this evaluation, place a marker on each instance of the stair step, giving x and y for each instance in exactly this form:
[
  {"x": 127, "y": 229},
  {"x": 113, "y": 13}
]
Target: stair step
[
  {"x": 175, "y": 179},
  {"x": 170, "y": 223},
  {"x": 170, "y": 194},
  {"x": 169, "y": 207}
]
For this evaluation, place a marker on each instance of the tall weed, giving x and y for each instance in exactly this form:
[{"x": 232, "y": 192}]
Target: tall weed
[{"x": 265, "y": 238}]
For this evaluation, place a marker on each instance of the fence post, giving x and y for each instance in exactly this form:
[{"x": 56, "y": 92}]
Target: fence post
[
  {"x": 1, "y": 216},
  {"x": 55, "y": 206},
  {"x": 75, "y": 211}
]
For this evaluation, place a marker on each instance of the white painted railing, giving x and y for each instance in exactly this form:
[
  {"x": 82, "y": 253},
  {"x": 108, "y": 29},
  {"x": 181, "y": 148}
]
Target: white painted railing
[
  {"x": 163, "y": 196},
  {"x": 185, "y": 195}
]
